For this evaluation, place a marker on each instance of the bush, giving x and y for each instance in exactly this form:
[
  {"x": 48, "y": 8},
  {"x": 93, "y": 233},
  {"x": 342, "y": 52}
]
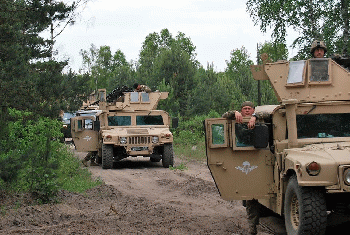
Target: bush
[
  {"x": 189, "y": 138},
  {"x": 35, "y": 160}
]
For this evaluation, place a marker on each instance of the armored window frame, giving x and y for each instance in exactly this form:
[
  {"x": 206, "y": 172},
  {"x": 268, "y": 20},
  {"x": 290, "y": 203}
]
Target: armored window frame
[
  {"x": 313, "y": 76},
  {"x": 134, "y": 97},
  {"x": 296, "y": 73},
  {"x": 233, "y": 139},
  {"x": 144, "y": 97},
  {"x": 223, "y": 142},
  {"x": 139, "y": 97}
]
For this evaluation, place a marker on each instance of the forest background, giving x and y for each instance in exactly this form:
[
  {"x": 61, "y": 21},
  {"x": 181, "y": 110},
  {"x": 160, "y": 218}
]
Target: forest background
[{"x": 35, "y": 88}]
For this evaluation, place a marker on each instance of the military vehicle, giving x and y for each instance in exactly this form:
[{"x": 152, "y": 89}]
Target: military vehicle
[
  {"x": 296, "y": 161},
  {"x": 122, "y": 124}
]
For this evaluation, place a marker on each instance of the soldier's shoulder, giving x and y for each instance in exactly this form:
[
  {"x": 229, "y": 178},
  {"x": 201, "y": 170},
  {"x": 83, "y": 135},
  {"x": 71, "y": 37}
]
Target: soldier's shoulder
[{"x": 229, "y": 114}]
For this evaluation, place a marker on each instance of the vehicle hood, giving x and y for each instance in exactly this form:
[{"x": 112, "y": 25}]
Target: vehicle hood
[
  {"x": 120, "y": 131},
  {"x": 332, "y": 153}
]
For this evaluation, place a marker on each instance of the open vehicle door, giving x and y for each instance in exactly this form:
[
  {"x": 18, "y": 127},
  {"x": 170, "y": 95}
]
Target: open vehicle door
[
  {"x": 240, "y": 170},
  {"x": 85, "y": 133}
]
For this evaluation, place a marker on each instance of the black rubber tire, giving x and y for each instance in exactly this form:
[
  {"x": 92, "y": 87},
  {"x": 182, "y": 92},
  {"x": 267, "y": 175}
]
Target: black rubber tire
[
  {"x": 305, "y": 210},
  {"x": 107, "y": 156},
  {"x": 168, "y": 156}
]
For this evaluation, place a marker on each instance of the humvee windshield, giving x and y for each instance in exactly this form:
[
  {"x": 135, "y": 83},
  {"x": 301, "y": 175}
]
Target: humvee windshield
[
  {"x": 149, "y": 120},
  {"x": 119, "y": 120},
  {"x": 323, "y": 125}
]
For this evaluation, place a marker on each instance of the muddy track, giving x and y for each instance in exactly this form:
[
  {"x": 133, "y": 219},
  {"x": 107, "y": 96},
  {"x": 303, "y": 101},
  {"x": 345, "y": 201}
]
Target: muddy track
[{"x": 139, "y": 197}]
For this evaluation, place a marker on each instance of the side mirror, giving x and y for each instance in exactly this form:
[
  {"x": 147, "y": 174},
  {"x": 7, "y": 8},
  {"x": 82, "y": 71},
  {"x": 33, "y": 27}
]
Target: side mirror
[
  {"x": 261, "y": 136},
  {"x": 175, "y": 123}
]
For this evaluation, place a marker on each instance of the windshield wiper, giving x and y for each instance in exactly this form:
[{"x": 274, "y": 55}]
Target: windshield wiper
[{"x": 313, "y": 107}]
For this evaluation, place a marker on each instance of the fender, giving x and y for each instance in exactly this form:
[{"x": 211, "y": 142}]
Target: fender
[{"x": 298, "y": 159}]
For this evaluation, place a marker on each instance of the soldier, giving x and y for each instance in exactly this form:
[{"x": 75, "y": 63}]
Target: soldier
[
  {"x": 140, "y": 88},
  {"x": 90, "y": 156},
  {"x": 318, "y": 49},
  {"x": 252, "y": 206},
  {"x": 247, "y": 109}
]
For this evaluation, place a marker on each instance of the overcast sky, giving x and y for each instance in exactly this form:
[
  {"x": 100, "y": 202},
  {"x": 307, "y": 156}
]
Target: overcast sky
[{"x": 216, "y": 27}]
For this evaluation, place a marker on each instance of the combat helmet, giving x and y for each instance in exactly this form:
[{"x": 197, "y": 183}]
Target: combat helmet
[{"x": 318, "y": 44}]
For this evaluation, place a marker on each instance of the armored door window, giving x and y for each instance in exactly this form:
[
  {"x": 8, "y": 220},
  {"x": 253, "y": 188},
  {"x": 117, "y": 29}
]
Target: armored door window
[
  {"x": 88, "y": 124},
  {"x": 102, "y": 95},
  {"x": 80, "y": 124},
  {"x": 217, "y": 133},
  {"x": 244, "y": 135}
]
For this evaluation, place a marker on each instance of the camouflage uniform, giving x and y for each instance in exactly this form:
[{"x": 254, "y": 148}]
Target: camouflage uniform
[
  {"x": 229, "y": 114},
  {"x": 253, "y": 212},
  {"x": 90, "y": 156},
  {"x": 141, "y": 88},
  {"x": 258, "y": 115}
]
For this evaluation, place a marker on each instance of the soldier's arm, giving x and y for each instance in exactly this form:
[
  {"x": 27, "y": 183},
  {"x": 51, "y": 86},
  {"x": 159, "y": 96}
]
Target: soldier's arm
[
  {"x": 233, "y": 114},
  {"x": 261, "y": 115}
]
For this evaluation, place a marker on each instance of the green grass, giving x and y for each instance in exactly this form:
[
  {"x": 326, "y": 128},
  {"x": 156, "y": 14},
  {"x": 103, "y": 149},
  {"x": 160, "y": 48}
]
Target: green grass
[
  {"x": 73, "y": 177},
  {"x": 180, "y": 167},
  {"x": 190, "y": 152}
]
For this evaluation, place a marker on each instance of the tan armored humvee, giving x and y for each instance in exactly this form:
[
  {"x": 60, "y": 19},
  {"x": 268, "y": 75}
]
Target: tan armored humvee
[
  {"x": 296, "y": 161},
  {"x": 129, "y": 125}
]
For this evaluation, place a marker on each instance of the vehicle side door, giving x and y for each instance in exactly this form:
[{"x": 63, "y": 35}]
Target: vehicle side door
[
  {"x": 85, "y": 133},
  {"x": 241, "y": 172}
]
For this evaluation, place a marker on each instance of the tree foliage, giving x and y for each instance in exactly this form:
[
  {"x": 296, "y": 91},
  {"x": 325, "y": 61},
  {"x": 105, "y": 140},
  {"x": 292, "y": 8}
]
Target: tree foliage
[
  {"x": 105, "y": 69},
  {"x": 29, "y": 77},
  {"x": 168, "y": 63},
  {"x": 317, "y": 19},
  {"x": 164, "y": 58}
]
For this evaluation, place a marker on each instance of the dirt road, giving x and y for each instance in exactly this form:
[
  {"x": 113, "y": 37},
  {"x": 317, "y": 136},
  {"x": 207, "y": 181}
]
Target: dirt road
[{"x": 138, "y": 197}]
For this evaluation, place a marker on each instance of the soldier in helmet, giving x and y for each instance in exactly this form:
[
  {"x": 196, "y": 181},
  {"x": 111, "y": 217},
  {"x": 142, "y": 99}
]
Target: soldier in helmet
[
  {"x": 318, "y": 49},
  {"x": 138, "y": 88}
]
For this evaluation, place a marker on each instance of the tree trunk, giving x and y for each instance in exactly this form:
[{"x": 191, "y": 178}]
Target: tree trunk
[{"x": 345, "y": 16}]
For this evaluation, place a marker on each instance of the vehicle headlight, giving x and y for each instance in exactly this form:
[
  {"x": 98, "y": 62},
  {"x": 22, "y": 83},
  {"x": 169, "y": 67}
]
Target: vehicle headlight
[
  {"x": 122, "y": 140},
  {"x": 155, "y": 139},
  {"x": 347, "y": 176}
]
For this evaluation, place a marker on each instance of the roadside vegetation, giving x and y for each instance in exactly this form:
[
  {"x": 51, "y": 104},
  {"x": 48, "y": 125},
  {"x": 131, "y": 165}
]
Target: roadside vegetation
[
  {"x": 33, "y": 159},
  {"x": 189, "y": 137}
]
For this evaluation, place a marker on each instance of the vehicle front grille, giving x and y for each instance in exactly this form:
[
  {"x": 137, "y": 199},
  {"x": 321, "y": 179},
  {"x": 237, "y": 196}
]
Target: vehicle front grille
[{"x": 139, "y": 140}]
